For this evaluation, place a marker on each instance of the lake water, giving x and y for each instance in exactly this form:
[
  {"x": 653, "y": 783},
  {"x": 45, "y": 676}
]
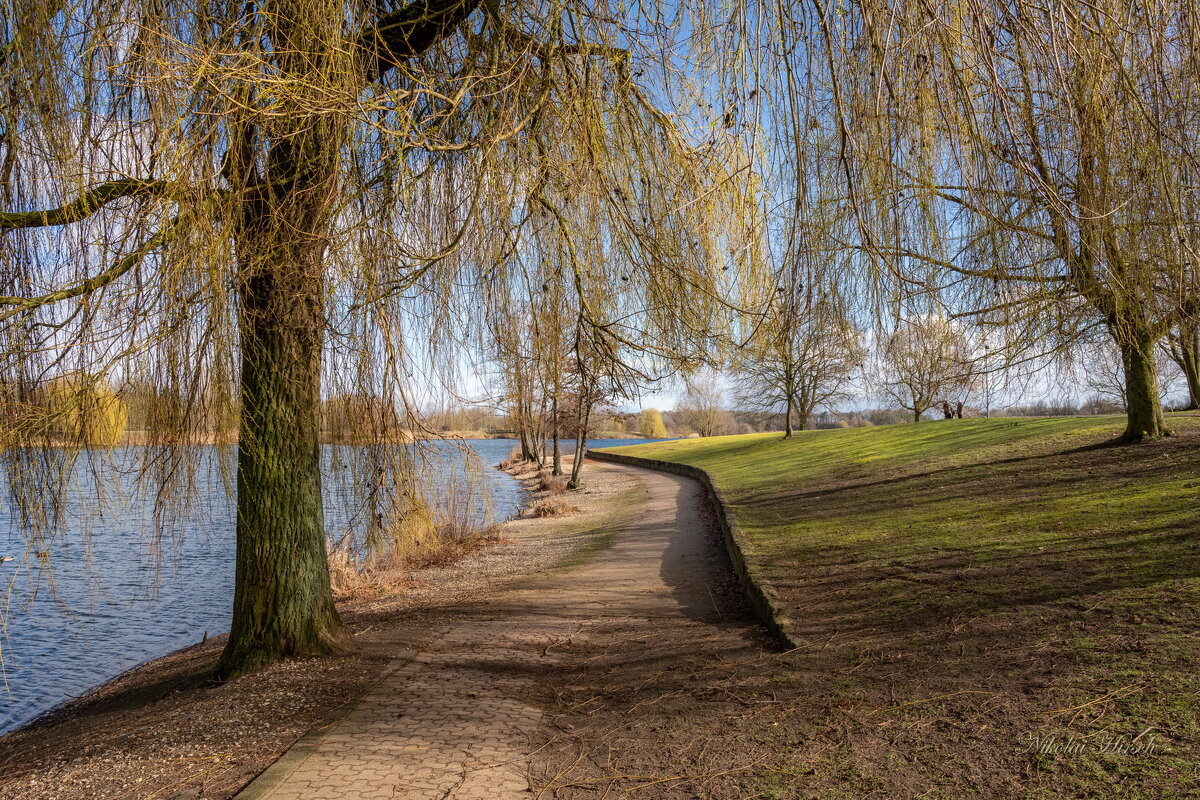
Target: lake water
[{"x": 104, "y": 603}]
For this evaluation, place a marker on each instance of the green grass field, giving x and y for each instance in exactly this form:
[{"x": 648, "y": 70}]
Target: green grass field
[{"x": 966, "y": 591}]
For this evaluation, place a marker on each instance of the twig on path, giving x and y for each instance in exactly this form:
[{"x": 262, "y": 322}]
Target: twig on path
[
  {"x": 449, "y": 793},
  {"x": 927, "y": 700},
  {"x": 714, "y": 602},
  {"x": 550, "y": 784},
  {"x": 828, "y": 642},
  {"x": 1113, "y": 695},
  {"x": 567, "y": 640}
]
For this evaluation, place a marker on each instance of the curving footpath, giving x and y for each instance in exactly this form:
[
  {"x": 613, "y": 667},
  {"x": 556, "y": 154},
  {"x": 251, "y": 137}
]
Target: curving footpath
[{"x": 461, "y": 719}]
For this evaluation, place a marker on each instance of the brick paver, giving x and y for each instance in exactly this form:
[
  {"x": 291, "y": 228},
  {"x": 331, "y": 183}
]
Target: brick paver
[{"x": 456, "y": 721}]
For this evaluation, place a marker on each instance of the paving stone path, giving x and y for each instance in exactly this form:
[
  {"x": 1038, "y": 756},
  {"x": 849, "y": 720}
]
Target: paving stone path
[{"x": 457, "y": 721}]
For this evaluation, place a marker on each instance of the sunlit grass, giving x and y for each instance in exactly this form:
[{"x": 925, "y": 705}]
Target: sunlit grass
[{"x": 908, "y": 487}]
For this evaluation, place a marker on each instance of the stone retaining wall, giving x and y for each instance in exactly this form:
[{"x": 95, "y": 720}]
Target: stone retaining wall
[{"x": 764, "y": 600}]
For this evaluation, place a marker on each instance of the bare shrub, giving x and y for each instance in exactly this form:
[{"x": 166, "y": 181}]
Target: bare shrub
[
  {"x": 552, "y": 507},
  {"x": 552, "y": 484}
]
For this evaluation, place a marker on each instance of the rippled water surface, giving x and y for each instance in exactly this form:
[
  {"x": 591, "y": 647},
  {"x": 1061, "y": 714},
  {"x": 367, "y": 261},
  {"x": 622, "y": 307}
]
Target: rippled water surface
[{"x": 104, "y": 603}]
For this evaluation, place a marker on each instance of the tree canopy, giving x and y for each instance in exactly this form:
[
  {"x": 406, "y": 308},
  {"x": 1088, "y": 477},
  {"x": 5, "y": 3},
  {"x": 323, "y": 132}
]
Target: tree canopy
[
  {"x": 247, "y": 210},
  {"x": 252, "y": 206}
]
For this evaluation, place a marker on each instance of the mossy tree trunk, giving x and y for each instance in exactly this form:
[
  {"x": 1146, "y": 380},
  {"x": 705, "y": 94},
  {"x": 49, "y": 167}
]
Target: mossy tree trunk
[
  {"x": 283, "y": 603},
  {"x": 1187, "y": 355},
  {"x": 1143, "y": 408}
]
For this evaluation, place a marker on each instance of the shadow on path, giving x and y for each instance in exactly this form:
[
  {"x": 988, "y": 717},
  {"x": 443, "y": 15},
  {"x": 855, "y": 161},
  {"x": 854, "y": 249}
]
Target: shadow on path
[{"x": 461, "y": 718}]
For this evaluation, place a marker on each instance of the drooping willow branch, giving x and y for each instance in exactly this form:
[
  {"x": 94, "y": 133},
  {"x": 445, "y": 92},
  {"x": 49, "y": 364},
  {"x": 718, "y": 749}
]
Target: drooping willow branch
[
  {"x": 408, "y": 32},
  {"x": 19, "y": 305},
  {"x": 88, "y": 203}
]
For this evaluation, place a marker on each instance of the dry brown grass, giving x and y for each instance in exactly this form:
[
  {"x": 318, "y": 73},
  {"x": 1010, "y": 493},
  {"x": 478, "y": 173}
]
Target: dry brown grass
[
  {"x": 514, "y": 458},
  {"x": 452, "y": 548},
  {"x": 388, "y": 573},
  {"x": 552, "y": 507},
  {"x": 524, "y": 471},
  {"x": 552, "y": 484},
  {"x": 351, "y": 582}
]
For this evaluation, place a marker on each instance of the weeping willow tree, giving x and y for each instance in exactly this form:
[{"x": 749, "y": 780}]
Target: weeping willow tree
[
  {"x": 608, "y": 257},
  {"x": 1031, "y": 165},
  {"x": 253, "y": 205}
]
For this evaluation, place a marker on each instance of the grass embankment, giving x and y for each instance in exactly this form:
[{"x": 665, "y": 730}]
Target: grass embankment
[{"x": 966, "y": 592}]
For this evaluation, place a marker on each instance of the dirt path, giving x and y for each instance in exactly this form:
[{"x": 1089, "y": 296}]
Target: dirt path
[{"x": 463, "y": 717}]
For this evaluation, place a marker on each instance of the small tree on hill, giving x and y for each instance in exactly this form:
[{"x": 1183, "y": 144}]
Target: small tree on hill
[
  {"x": 924, "y": 362},
  {"x": 802, "y": 359}
]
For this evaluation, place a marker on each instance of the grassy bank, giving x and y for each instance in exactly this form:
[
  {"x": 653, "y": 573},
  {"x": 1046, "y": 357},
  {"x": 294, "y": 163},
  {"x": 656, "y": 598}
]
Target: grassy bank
[{"x": 967, "y": 592}]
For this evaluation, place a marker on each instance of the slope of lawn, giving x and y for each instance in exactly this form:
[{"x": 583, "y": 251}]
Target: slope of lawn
[{"x": 967, "y": 591}]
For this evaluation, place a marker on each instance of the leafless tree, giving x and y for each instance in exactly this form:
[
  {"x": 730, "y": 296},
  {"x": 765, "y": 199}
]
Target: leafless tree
[
  {"x": 925, "y": 361},
  {"x": 702, "y": 408},
  {"x": 802, "y": 358}
]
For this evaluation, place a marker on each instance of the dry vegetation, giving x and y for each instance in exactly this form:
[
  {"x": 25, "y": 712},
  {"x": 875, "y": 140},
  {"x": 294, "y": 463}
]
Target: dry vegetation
[
  {"x": 548, "y": 492},
  {"x": 552, "y": 484},
  {"x": 391, "y": 574},
  {"x": 552, "y": 507}
]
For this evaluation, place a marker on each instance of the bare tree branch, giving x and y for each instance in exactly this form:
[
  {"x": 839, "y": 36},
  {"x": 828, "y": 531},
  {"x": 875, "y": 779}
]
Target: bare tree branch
[{"x": 87, "y": 203}]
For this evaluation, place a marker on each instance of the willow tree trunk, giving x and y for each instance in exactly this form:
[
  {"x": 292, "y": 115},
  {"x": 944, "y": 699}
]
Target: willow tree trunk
[
  {"x": 555, "y": 433},
  {"x": 283, "y": 603},
  {"x": 1188, "y": 356},
  {"x": 1143, "y": 408}
]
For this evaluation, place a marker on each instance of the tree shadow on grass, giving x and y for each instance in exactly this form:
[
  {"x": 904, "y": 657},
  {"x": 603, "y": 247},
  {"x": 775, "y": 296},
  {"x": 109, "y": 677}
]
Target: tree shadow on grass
[
  {"x": 872, "y": 584},
  {"x": 1036, "y": 463}
]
